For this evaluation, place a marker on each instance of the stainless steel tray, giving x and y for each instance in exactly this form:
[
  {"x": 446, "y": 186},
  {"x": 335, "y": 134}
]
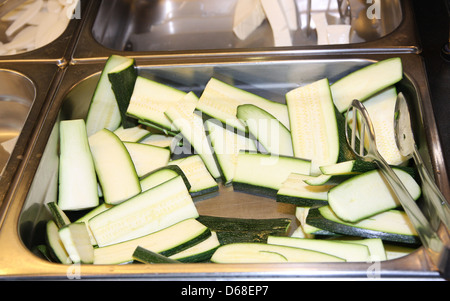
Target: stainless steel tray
[
  {"x": 24, "y": 90},
  {"x": 58, "y": 51},
  {"x": 36, "y": 184},
  {"x": 169, "y": 28}
]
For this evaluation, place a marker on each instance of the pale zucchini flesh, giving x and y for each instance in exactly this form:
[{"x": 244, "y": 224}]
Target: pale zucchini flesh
[
  {"x": 77, "y": 243},
  {"x": 366, "y": 82},
  {"x": 55, "y": 244},
  {"x": 76, "y": 168},
  {"x": 147, "y": 158},
  {"x": 167, "y": 241},
  {"x": 115, "y": 169},
  {"x": 314, "y": 128},
  {"x": 368, "y": 194},
  {"x": 265, "y": 253},
  {"x": 150, "y": 211}
]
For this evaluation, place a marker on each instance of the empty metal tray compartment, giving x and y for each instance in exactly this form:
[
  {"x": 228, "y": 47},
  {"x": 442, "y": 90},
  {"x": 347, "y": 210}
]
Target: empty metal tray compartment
[{"x": 23, "y": 226}]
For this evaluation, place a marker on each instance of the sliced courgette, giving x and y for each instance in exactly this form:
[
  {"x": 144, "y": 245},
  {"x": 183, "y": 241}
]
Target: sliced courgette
[
  {"x": 132, "y": 134},
  {"x": 167, "y": 242},
  {"x": 147, "y": 158},
  {"x": 271, "y": 133},
  {"x": 55, "y": 245},
  {"x": 59, "y": 216},
  {"x": 265, "y": 253},
  {"x": 226, "y": 145},
  {"x": 294, "y": 190},
  {"x": 115, "y": 169},
  {"x": 314, "y": 128},
  {"x": 368, "y": 194},
  {"x": 263, "y": 174},
  {"x": 150, "y": 100},
  {"x": 220, "y": 100},
  {"x": 76, "y": 168},
  {"x": 366, "y": 82},
  {"x": 200, "y": 252},
  {"x": 162, "y": 175},
  {"x": 122, "y": 78},
  {"x": 77, "y": 243},
  {"x": 150, "y": 211},
  {"x": 146, "y": 256},
  {"x": 104, "y": 110},
  {"x": 351, "y": 252},
  {"x": 392, "y": 225},
  {"x": 202, "y": 182}
]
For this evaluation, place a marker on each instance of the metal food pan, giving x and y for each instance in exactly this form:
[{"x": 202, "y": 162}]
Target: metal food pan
[
  {"x": 57, "y": 51},
  {"x": 24, "y": 89},
  {"x": 199, "y": 27},
  {"x": 23, "y": 223}
]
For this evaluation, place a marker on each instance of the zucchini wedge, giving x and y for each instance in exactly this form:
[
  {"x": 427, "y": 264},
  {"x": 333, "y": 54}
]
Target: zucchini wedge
[
  {"x": 366, "y": 82},
  {"x": 150, "y": 211},
  {"x": 162, "y": 175},
  {"x": 147, "y": 158},
  {"x": 296, "y": 191},
  {"x": 220, "y": 100},
  {"x": 114, "y": 166},
  {"x": 202, "y": 182},
  {"x": 77, "y": 243},
  {"x": 266, "y": 253},
  {"x": 167, "y": 242},
  {"x": 122, "y": 78},
  {"x": 314, "y": 128},
  {"x": 392, "y": 225},
  {"x": 146, "y": 256},
  {"x": 132, "y": 134},
  {"x": 150, "y": 100},
  {"x": 200, "y": 252},
  {"x": 226, "y": 145},
  {"x": 263, "y": 174},
  {"x": 59, "y": 216},
  {"x": 367, "y": 194},
  {"x": 349, "y": 251},
  {"x": 271, "y": 133},
  {"x": 76, "y": 168},
  {"x": 104, "y": 110},
  {"x": 56, "y": 247}
]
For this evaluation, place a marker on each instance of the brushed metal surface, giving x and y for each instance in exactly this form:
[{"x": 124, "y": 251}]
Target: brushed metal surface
[
  {"x": 164, "y": 28},
  {"x": 271, "y": 77}
]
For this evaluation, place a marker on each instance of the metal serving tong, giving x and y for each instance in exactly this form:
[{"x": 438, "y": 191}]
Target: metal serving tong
[{"x": 361, "y": 128}]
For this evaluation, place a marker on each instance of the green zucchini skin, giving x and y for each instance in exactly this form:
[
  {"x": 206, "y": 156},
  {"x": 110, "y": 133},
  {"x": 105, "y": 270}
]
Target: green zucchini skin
[
  {"x": 122, "y": 84},
  {"x": 146, "y": 256},
  {"x": 300, "y": 201},
  {"x": 233, "y": 230},
  {"x": 316, "y": 219}
]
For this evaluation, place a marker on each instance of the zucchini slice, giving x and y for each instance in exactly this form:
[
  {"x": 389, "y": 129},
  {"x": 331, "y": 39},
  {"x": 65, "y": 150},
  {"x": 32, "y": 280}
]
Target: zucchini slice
[
  {"x": 162, "y": 175},
  {"x": 201, "y": 180},
  {"x": 368, "y": 194},
  {"x": 104, "y": 110},
  {"x": 200, "y": 252},
  {"x": 76, "y": 168},
  {"x": 220, "y": 100},
  {"x": 167, "y": 242},
  {"x": 271, "y": 133},
  {"x": 122, "y": 78},
  {"x": 85, "y": 219},
  {"x": 314, "y": 128},
  {"x": 147, "y": 158},
  {"x": 266, "y": 253},
  {"x": 227, "y": 144},
  {"x": 150, "y": 211},
  {"x": 132, "y": 134},
  {"x": 55, "y": 245},
  {"x": 263, "y": 174},
  {"x": 77, "y": 243},
  {"x": 150, "y": 100},
  {"x": 349, "y": 251},
  {"x": 381, "y": 109},
  {"x": 59, "y": 216},
  {"x": 391, "y": 225},
  {"x": 366, "y": 82},
  {"x": 114, "y": 166},
  {"x": 192, "y": 129},
  {"x": 296, "y": 191},
  {"x": 146, "y": 256}
]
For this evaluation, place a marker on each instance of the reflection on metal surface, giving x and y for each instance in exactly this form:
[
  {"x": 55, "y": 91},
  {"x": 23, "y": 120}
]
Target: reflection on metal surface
[{"x": 160, "y": 25}]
